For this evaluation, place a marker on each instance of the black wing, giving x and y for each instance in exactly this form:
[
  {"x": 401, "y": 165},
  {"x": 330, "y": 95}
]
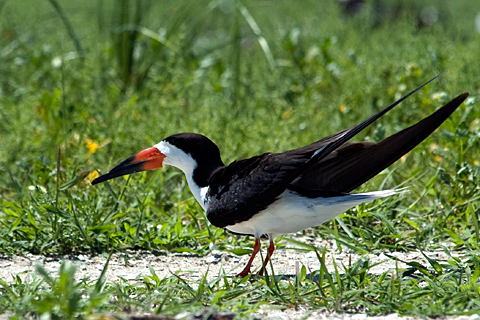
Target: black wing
[{"x": 353, "y": 164}]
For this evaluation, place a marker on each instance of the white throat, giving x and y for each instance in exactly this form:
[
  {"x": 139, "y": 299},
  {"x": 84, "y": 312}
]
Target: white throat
[{"x": 178, "y": 158}]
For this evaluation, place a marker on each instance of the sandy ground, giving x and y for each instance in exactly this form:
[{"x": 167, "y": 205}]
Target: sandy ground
[{"x": 132, "y": 265}]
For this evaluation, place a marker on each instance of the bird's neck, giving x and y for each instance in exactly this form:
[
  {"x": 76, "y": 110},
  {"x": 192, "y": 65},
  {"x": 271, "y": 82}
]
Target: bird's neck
[
  {"x": 198, "y": 165},
  {"x": 198, "y": 179},
  {"x": 198, "y": 192}
]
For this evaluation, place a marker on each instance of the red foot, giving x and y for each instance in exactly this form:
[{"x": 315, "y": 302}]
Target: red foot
[
  {"x": 246, "y": 271},
  {"x": 270, "y": 250}
]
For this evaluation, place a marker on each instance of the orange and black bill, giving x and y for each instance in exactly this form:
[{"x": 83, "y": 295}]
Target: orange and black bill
[{"x": 148, "y": 159}]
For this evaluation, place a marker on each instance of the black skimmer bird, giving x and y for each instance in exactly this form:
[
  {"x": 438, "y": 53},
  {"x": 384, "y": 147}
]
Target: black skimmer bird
[{"x": 277, "y": 193}]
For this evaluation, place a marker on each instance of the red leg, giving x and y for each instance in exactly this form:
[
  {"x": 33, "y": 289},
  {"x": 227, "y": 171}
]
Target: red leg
[
  {"x": 246, "y": 271},
  {"x": 270, "y": 250}
]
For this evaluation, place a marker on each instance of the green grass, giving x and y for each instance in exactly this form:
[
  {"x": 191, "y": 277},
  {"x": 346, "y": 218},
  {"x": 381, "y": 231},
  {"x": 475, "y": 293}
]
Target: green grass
[{"x": 254, "y": 77}]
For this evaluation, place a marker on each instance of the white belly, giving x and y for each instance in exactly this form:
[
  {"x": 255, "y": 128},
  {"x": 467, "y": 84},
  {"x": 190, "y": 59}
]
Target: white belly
[{"x": 293, "y": 213}]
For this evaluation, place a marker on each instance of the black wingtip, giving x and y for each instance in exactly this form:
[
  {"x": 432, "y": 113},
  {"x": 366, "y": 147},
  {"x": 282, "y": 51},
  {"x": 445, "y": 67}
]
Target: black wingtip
[
  {"x": 463, "y": 96},
  {"x": 351, "y": 132}
]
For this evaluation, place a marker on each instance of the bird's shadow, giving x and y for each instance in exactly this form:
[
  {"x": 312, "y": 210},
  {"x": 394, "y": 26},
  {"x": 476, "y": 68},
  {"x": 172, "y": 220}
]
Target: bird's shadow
[{"x": 408, "y": 274}]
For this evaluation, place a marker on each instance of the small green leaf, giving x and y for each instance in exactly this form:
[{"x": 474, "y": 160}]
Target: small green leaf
[
  {"x": 413, "y": 224},
  {"x": 240, "y": 252},
  {"x": 79, "y": 178}
]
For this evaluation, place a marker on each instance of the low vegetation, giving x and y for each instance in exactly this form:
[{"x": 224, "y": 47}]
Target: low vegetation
[{"x": 85, "y": 85}]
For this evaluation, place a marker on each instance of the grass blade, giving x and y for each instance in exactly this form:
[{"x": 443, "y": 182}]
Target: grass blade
[{"x": 69, "y": 27}]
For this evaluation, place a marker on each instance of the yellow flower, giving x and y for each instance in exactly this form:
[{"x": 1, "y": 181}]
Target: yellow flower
[
  {"x": 91, "y": 145},
  {"x": 93, "y": 175},
  {"x": 287, "y": 114},
  {"x": 342, "y": 108}
]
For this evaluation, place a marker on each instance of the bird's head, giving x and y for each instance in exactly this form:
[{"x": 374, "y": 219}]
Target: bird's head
[{"x": 185, "y": 151}]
